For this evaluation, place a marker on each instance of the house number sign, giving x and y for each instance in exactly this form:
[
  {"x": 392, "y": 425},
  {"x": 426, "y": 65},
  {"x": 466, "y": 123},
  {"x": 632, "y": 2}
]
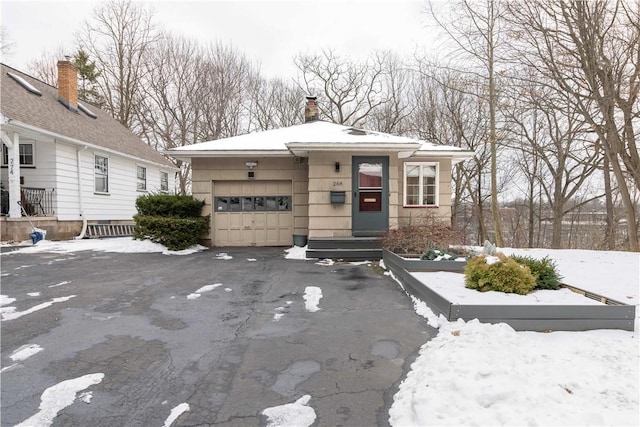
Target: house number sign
[{"x": 337, "y": 183}]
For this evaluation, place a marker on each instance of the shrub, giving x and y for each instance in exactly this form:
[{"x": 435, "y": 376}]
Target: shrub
[
  {"x": 436, "y": 254},
  {"x": 505, "y": 275},
  {"x": 175, "y": 233},
  {"x": 169, "y": 205},
  {"x": 544, "y": 271},
  {"x": 427, "y": 232}
]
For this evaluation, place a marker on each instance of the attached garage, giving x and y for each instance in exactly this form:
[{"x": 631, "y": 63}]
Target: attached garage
[{"x": 252, "y": 213}]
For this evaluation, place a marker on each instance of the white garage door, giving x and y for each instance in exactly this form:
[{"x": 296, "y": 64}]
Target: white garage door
[{"x": 252, "y": 213}]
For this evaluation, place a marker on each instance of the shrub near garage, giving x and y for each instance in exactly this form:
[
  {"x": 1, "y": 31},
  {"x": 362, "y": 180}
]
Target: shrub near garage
[
  {"x": 503, "y": 275},
  {"x": 171, "y": 220}
]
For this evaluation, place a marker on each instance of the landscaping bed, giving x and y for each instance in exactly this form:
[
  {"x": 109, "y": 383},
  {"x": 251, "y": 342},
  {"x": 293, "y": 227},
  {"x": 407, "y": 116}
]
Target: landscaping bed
[{"x": 579, "y": 312}]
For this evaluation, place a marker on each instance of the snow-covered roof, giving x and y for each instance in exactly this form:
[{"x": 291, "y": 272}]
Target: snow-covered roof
[{"x": 318, "y": 135}]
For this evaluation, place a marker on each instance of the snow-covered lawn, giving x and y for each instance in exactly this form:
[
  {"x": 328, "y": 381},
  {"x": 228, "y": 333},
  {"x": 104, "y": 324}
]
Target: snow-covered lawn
[{"x": 470, "y": 373}]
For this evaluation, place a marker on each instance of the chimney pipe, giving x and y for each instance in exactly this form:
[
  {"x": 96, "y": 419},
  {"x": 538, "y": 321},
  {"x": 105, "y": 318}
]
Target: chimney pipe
[
  {"x": 68, "y": 84},
  {"x": 311, "y": 113}
]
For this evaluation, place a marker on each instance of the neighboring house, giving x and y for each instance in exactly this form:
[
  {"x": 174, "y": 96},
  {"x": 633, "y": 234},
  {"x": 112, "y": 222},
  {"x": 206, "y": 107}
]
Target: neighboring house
[
  {"x": 317, "y": 181},
  {"x": 70, "y": 164}
]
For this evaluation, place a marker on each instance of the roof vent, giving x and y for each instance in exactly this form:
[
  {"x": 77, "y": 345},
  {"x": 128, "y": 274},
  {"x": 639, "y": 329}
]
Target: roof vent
[
  {"x": 25, "y": 84},
  {"x": 87, "y": 111},
  {"x": 354, "y": 131}
]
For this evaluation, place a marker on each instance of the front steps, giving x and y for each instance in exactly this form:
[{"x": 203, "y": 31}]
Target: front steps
[{"x": 345, "y": 248}]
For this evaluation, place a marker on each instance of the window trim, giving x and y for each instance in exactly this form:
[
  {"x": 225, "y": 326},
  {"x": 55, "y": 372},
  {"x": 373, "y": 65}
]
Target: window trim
[
  {"x": 95, "y": 173},
  {"x": 164, "y": 190},
  {"x": 5, "y": 150},
  {"x": 421, "y": 185},
  {"x": 141, "y": 180}
]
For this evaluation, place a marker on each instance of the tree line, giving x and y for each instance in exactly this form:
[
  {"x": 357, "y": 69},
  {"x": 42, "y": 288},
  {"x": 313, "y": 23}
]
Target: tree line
[{"x": 544, "y": 92}]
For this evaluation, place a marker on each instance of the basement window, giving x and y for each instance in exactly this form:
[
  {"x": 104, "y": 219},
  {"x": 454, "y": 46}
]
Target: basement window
[{"x": 25, "y": 84}]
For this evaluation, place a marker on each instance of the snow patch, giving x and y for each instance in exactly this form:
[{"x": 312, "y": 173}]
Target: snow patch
[
  {"x": 6, "y": 300},
  {"x": 25, "y": 352},
  {"x": 251, "y": 259},
  {"x": 33, "y": 294},
  {"x": 59, "y": 284},
  {"x": 312, "y": 296},
  {"x": 58, "y": 397},
  {"x": 175, "y": 413},
  {"x": 86, "y": 396},
  {"x": 224, "y": 256},
  {"x": 297, "y": 414},
  {"x": 327, "y": 262},
  {"x": 10, "y": 313},
  {"x": 205, "y": 288},
  {"x": 296, "y": 252}
]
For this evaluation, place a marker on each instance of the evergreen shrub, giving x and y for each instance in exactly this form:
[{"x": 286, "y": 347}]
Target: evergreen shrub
[
  {"x": 506, "y": 275},
  {"x": 169, "y": 205},
  {"x": 544, "y": 270},
  {"x": 170, "y": 219}
]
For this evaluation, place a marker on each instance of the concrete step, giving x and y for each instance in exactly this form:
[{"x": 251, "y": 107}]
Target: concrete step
[{"x": 346, "y": 254}]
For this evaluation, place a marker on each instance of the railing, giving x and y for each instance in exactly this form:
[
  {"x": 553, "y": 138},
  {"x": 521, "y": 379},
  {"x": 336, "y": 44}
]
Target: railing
[{"x": 35, "y": 201}]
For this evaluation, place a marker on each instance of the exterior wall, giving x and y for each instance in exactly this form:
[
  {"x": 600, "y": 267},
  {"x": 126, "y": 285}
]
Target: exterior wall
[
  {"x": 18, "y": 229},
  {"x": 118, "y": 204},
  {"x": 207, "y": 170},
  {"x": 411, "y": 215},
  {"x": 334, "y": 220}
]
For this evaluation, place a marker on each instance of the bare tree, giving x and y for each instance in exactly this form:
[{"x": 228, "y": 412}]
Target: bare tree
[
  {"x": 348, "y": 91},
  {"x": 590, "y": 50},
  {"x": 118, "y": 38},
  {"x": 226, "y": 77},
  {"x": 476, "y": 27},
  {"x": 274, "y": 103},
  {"x": 6, "y": 44},
  {"x": 45, "y": 67}
]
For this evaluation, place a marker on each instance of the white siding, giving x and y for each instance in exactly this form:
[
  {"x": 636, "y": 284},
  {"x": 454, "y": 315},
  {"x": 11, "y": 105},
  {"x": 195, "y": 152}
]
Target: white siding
[{"x": 118, "y": 204}]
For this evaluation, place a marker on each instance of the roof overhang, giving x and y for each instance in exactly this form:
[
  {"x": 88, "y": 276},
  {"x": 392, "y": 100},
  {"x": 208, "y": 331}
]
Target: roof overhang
[
  {"x": 187, "y": 155},
  {"x": 18, "y": 126},
  {"x": 302, "y": 149},
  {"x": 456, "y": 156}
]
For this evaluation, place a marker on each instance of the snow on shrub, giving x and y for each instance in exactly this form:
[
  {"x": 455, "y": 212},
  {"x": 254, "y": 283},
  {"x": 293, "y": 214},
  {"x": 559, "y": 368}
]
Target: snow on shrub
[{"x": 498, "y": 273}]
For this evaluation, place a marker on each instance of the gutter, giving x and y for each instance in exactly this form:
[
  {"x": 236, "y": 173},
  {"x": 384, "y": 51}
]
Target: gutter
[
  {"x": 74, "y": 141},
  {"x": 80, "y": 199}
]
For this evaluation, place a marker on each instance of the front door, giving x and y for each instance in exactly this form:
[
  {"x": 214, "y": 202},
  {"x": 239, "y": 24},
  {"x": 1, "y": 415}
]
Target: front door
[{"x": 370, "y": 212}]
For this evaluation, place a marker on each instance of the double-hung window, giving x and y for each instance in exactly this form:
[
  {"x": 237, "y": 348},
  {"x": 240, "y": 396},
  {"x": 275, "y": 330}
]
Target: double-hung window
[
  {"x": 141, "y": 178},
  {"x": 420, "y": 184},
  {"x": 25, "y": 154},
  {"x": 101, "y": 174},
  {"x": 164, "y": 181}
]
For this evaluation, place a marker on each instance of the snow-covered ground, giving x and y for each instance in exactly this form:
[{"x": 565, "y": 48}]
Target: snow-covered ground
[
  {"x": 470, "y": 373},
  {"x": 481, "y": 374}
]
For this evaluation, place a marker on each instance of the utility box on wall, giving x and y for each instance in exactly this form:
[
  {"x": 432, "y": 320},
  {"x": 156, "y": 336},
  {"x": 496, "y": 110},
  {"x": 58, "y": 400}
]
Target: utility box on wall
[{"x": 338, "y": 197}]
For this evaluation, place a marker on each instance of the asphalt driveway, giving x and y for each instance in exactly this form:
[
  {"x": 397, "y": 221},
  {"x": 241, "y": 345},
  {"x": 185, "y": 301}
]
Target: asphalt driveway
[{"x": 230, "y": 351}]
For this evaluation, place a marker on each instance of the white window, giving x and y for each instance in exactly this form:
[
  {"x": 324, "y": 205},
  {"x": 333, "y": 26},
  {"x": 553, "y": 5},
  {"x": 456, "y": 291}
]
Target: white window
[
  {"x": 141, "y": 179},
  {"x": 164, "y": 181},
  {"x": 101, "y": 173},
  {"x": 25, "y": 154},
  {"x": 421, "y": 184}
]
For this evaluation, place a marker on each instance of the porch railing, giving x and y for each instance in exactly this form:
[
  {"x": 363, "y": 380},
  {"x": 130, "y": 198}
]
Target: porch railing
[{"x": 36, "y": 201}]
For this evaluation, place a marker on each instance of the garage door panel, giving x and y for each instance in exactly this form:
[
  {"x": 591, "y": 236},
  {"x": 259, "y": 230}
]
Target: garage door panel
[{"x": 251, "y": 226}]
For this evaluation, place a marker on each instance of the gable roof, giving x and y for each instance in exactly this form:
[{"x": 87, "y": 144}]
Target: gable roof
[
  {"x": 318, "y": 135},
  {"x": 44, "y": 113}
]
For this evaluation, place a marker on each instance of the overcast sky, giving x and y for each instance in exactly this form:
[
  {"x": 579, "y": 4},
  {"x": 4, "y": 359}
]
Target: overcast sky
[{"x": 268, "y": 32}]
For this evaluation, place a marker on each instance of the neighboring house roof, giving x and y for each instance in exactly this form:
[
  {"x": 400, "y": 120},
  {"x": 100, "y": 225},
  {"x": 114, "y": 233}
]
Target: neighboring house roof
[
  {"x": 45, "y": 114},
  {"x": 317, "y": 135}
]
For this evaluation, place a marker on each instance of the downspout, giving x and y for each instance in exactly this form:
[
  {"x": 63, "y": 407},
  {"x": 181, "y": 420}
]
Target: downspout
[{"x": 80, "y": 200}]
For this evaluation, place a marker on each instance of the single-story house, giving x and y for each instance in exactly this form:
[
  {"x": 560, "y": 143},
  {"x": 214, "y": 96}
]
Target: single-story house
[
  {"x": 318, "y": 182},
  {"x": 69, "y": 163}
]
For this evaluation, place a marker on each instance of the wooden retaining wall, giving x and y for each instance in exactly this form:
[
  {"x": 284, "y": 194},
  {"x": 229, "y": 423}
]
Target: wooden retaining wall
[{"x": 611, "y": 315}]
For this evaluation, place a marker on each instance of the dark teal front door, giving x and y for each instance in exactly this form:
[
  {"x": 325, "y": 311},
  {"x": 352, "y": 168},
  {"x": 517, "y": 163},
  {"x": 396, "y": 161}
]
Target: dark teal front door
[{"x": 370, "y": 212}]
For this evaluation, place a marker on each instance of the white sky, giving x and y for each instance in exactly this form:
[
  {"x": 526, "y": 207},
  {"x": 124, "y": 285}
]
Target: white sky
[{"x": 268, "y": 32}]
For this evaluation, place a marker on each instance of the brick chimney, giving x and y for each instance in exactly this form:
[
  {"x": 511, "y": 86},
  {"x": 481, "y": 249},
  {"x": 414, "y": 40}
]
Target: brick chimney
[
  {"x": 311, "y": 113},
  {"x": 68, "y": 84}
]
